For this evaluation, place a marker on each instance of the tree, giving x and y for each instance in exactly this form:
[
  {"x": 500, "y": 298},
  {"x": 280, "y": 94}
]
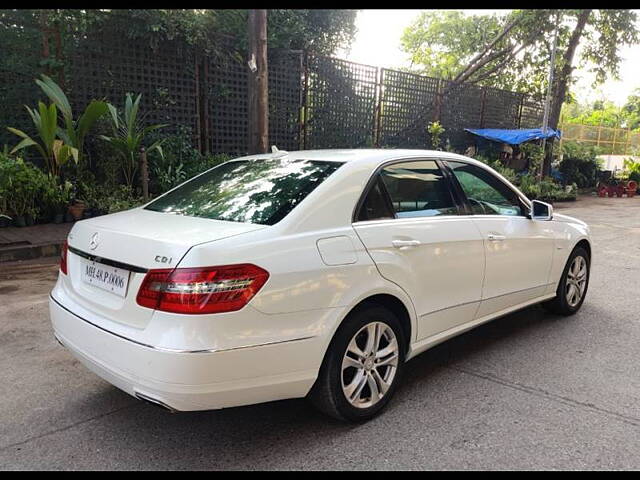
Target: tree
[
  {"x": 631, "y": 110},
  {"x": 603, "y": 113},
  {"x": 490, "y": 50},
  {"x": 317, "y": 30},
  {"x": 513, "y": 50}
]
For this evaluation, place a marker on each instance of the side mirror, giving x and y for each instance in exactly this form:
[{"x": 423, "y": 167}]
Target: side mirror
[{"x": 541, "y": 211}]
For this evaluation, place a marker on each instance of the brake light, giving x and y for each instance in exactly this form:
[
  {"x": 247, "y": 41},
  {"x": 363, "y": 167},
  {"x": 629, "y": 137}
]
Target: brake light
[
  {"x": 201, "y": 290},
  {"x": 63, "y": 257}
]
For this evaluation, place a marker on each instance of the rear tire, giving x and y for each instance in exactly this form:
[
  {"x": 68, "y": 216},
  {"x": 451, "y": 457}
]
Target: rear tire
[
  {"x": 362, "y": 366},
  {"x": 573, "y": 285}
]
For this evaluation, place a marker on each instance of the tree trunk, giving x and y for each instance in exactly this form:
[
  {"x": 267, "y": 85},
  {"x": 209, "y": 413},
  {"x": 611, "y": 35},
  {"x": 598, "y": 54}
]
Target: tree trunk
[
  {"x": 258, "y": 82},
  {"x": 562, "y": 80}
]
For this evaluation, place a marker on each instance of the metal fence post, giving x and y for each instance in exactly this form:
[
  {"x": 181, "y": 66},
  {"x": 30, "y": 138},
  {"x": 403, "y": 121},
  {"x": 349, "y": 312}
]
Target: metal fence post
[
  {"x": 520, "y": 109},
  {"x": 483, "y": 102},
  {"x": 439, "y": 101},
  {"x": 377, "y": 111},
  {"x": 305, "y": 101}
]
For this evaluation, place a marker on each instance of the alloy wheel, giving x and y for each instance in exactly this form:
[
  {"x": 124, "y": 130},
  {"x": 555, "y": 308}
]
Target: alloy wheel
[
  {"x": 369, "y": 365},
  {"x": 576, "y": 281}
]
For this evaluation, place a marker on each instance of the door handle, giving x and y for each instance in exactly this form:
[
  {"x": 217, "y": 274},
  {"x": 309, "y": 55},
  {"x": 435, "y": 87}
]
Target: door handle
[
  {"x": 494, "y": 237},
  {"x": 405, "y": 243}
]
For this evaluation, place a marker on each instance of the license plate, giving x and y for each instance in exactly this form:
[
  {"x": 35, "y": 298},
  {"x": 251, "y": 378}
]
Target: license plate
[{"x": 111, "y": 279}]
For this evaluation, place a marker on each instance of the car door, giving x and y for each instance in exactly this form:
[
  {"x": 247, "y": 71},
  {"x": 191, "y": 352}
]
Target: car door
[
  {"x": 518, "y": 250},
  {"x": 410, "y": 223}
]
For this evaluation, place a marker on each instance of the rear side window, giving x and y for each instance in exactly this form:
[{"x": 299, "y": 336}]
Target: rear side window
[
  {"x": 418, "y": 189},
  {"x": 375, "y": 205},
  {"x": 249, "y": 191}
]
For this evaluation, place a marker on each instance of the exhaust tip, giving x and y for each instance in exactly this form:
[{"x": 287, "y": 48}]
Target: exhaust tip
[{"x": 153, "y": 401}]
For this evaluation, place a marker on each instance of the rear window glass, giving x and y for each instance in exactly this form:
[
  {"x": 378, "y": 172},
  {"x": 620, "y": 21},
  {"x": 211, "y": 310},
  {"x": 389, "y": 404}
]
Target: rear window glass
[{"x": 249, "y": 191}]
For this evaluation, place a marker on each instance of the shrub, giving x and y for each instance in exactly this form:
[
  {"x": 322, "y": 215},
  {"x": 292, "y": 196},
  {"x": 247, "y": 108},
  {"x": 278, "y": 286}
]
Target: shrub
[
  {"x": 180, "y": 162},
  {"x": 22, "y": 187},
  {"x": 632, "y": 168},
  {"x": 506, "y": 172},
  {"x": 111, "y": 200},
  {"x": 579, "y": 164},
  {"x": 546, "y": 189},
  {"x": 435, "y": 130}
]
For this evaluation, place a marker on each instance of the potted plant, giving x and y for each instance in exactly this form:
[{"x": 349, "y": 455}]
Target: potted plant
[
  {"x": 76, "y": 209},
  {"x": 24, "y": 184},
  {"x": 58, "y": 198}
]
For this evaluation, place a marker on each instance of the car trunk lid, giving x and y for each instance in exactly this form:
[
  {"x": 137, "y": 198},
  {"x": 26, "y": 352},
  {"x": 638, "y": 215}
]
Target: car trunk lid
[{"x": 110, "y": 255}]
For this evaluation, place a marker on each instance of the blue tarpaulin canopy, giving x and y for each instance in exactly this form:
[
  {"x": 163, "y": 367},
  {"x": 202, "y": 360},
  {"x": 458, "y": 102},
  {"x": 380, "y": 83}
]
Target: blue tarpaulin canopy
[{"x": 514, "y": 137}]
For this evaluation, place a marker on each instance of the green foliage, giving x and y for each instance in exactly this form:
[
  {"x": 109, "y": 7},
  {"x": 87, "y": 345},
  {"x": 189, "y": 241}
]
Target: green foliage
[
  {"x": 56, "y": 195},
  {"x": 179, "y": 162},
  {"x": 448, "y": 43},
  {"x": 442, "y": 42},
  {"x": 54, "y": 151},
  {"x": 604, "y": 113},
  {"x": 632, "y": 169},
  {"x": 631, "y": 110},
  {"x": 435, "y": 130},
  {"x": 129, "y": 135},
  {"x": 497, "y": 165},
  {"x": 110, "y": 200},
  {"x": 58, "y": 144},
  {"x": 579, "y": 164},
  {"x": 74, "y": 131},
  {"x": 534, "y": 153},
  {"x": 22, "y": 187},
  {"x": 321, "y": 31},
  {"x": 546, "y": 189},
  {"x": 169, "y": 176}
]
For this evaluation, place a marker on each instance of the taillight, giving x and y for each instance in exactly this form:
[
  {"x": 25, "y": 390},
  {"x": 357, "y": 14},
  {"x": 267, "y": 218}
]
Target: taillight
[
  {"x": 63, "y": 257},
  {"x": 201, "y": 290}
]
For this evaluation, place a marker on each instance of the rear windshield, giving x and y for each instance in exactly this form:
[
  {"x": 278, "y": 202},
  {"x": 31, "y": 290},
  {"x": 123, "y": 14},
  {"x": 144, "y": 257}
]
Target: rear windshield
[{"x": 249, "y": 191}]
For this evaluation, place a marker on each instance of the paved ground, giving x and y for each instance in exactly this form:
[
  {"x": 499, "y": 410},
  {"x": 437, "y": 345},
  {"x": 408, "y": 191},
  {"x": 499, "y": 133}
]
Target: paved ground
[
  {"x": 528, "y": 391},
  {"x": 32, "y": 242}
]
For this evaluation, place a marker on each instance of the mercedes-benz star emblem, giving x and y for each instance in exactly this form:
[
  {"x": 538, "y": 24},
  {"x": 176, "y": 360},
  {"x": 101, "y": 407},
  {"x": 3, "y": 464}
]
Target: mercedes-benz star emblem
[{"x": 93, "y": 243}]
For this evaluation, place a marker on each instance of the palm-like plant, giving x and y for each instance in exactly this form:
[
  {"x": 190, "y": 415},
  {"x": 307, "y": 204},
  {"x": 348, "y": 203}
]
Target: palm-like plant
[
  {"x": 129, "y": 134},
  {"x": 74, "y": 132},
  {"x": 54, "y": 151}
]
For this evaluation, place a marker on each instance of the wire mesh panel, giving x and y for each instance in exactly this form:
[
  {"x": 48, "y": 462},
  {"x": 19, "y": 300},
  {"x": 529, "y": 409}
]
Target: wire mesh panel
[
  {"x": 462, "y": 107},
  {"x": 227, "y": 101},
  {"x": 407, "y": 106},
  {"x": 341, "y": 103},
  {"x": 227, "y": 104},
  {"x": 345, "y": 104},
  {"x": 108, "y": 65},
  {"x": 613, "y": 141},
  {"x": 19, "y": 66},
  {"x": 501, "y": 109},
  {"x": 285, "y": 98},
  {"x": 532, "y": 112}
]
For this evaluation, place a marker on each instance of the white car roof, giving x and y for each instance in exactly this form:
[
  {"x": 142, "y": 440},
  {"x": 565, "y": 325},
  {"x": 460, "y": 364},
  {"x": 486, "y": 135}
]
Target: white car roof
[{"x": 371, "y": 156}]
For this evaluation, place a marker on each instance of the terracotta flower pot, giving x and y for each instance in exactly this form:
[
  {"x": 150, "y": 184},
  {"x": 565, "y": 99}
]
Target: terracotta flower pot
[{"x": 77, "y": 210}]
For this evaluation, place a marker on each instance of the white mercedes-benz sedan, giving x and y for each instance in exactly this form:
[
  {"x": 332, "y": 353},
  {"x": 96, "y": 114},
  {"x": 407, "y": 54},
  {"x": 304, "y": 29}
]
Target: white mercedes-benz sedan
[{"x": 310, "y": 273}]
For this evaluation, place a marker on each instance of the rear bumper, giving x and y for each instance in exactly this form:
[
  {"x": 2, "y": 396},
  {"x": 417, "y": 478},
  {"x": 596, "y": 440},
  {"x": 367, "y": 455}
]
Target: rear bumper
[{"x": 194, "y": 380}]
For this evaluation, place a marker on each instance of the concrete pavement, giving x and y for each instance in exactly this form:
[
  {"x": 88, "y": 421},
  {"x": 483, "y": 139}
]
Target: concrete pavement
[{"x": 527, "y": 391}]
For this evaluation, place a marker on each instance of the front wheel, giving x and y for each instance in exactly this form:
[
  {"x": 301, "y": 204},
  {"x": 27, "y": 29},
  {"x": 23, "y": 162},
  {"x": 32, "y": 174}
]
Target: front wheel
[
  {"x": 362, "y": 366},
  {"x": 573, "y": 284}
]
